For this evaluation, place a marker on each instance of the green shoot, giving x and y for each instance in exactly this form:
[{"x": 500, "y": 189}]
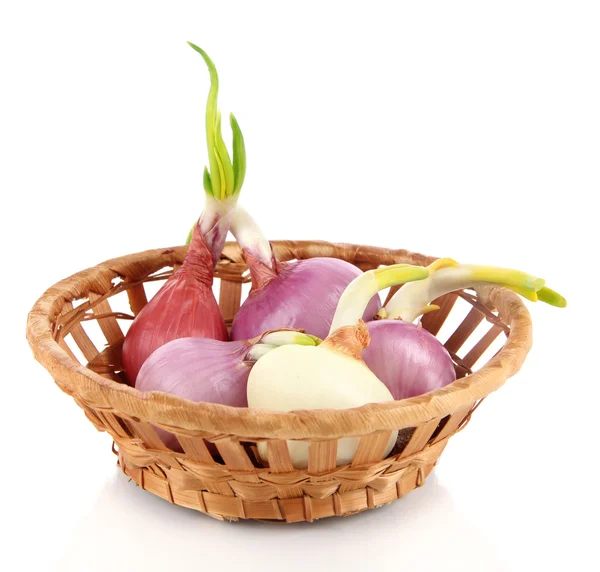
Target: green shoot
[
  {"x": 551, "y": 297},
  {"x": 223, "y": 178}
]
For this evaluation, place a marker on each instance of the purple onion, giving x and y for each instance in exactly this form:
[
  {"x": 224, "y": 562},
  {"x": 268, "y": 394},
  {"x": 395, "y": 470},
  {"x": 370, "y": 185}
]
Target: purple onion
[
  {"x": 198, "y": 369},
  {"x": 302, "y": 294},
  {"x": 407, "y": 358}
]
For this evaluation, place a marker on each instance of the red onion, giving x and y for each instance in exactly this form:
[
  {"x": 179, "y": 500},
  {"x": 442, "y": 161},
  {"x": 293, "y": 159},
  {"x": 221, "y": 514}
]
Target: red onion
[
  {"x": 201, "y": 369},
  {"x": 302, "y": 294},
  {"x": 185, "y": 305},
  {"x": 407, "y": 358},
  {"x": 198, "y": 369}
]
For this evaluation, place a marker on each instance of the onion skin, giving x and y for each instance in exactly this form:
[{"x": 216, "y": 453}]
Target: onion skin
[
  {"x": 184, "y": 307},
  {"x": 407, "y": 358},
  {"x": 302, "y": 295}
]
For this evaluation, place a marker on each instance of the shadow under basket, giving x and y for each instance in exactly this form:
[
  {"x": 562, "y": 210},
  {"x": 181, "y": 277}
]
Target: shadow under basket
[{"x": 76, "y": 331}]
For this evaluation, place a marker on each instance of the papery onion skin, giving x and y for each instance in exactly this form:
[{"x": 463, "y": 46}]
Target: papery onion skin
[
  {"x": 407, "y": 358},
  {"x": 302, "y": 294},
  {"x": 198, "y": 369},
  {"x": 185, "y": 306}
]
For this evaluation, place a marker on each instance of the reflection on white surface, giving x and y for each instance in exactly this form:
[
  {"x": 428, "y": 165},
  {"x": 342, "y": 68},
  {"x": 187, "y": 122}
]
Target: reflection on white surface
[{"x": 130, "y": 529}]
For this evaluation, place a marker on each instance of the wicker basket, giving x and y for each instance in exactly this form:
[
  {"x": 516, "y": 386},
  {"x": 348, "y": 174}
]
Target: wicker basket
[{"x": 220, "y": 473}]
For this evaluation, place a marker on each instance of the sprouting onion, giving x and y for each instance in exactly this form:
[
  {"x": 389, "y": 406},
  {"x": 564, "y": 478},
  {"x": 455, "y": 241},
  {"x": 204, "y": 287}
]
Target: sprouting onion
[
  {"x": 223, "y": 182},
  {"x": 407, "y": 358},
  {"x": 331, "y": 375},
  {"x": 185, "y": 305}
]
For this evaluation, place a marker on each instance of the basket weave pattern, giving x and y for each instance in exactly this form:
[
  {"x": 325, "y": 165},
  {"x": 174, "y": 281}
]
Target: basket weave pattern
[{"x": 218, "y": 470}]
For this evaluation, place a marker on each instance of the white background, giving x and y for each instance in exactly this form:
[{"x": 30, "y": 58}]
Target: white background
[{"x": 463, "y": 129}]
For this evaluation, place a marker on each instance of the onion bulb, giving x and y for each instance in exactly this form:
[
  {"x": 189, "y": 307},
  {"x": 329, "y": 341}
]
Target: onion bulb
[
  {"x": 331, "y": 375},
  {"x": 405, "y": 357},
  {"x": 205, "y": 370},
  {"x": 301, "y": 294},
  {"x": 185, "y": 305},
  {"x": 408, "y": 359}
]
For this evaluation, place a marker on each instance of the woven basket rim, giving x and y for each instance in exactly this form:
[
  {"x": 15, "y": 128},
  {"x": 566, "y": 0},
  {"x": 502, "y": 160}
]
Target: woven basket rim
[{"x": 168, "y": 410}]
